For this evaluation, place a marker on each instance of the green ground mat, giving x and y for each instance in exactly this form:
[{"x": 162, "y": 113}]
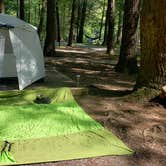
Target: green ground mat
[{"x": 51, "y": 132}]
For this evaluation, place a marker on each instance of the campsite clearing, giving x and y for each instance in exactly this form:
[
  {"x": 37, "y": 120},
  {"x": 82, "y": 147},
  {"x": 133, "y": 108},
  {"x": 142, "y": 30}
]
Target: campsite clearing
[{"x": 142, "y": 125}]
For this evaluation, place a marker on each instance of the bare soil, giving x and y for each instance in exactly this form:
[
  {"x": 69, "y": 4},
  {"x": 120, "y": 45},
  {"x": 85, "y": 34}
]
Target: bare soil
[{"x": 141, "y": 125}]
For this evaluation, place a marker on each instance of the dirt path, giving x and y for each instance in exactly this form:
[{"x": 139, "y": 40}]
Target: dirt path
[{"x": 142, "y": 126}]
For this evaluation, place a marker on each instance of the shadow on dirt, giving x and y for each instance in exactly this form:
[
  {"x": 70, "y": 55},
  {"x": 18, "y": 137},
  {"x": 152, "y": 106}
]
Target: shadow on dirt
[{"x": 158, "y": 101}]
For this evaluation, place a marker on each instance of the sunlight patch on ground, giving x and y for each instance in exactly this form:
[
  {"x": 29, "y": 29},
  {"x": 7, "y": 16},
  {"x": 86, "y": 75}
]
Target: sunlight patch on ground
[
  {"x": 126, "y": 82},
  {"x": 86, "y": 71},
  {"x": 99, "y": 49},
  {"x": 110, "y": 87},
  {"x": 72, "y": 51}
]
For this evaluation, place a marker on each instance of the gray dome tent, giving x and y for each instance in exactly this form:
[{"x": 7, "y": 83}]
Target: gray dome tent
[{"x": 21, "y": 54}]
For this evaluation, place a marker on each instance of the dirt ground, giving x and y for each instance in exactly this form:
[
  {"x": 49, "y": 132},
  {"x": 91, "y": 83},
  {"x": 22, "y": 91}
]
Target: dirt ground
[{"x": 141, "y": 125}]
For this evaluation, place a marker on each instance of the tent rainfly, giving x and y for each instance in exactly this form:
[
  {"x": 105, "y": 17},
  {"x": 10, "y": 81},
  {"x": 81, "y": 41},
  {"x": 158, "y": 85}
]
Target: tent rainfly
[{"x": 21, "y": 54}]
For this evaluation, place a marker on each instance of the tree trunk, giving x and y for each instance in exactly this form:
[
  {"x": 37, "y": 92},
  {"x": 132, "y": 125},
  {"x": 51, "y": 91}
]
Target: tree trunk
[
  {"x": 102, "y": 19},
  {"x": 36, "y": 16},
  {"x": 120, "y": 27},
  {"x": 128, "y": 60},
  {"x": 58, "y": 23},
  {"x": 110, "y": 37},
  {"x": 17, "y": 8},
  {"x": 49, "y": 48},
  {"x": 2, "y": 6},
  {"x": 152, "y": 72},
  {"x": 42, "y": 14},
  {"x": 72, "y": 23},
  {"x": 22, "y": 12},
  {"x": 63, "y": 21},
  {"x": 29, "y": 12},
  {"x": 82, "y": 22},
  {"x": 79, "y": 8},
  {"x": 106, "y": 28}
]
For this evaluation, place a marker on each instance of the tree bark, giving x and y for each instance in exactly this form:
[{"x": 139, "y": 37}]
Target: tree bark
[
  {"x": 29, "y": 12},
  {"x": 2, "y": 6},
  {"x": 82, "y": 22},
  {"x": 22, "y": 12},
  {"x": 152, "y": 72},
  {"x": 105, "y": 29},
  {"x": 58, "y": 23},
  {"x": 128, "y": 60},
  {"x": 72, "y": 23},
  {"x": 120, "y": 27},
  {"x": 42, "y": 14},
  {"x": 36, "y": 14},
  {"x": 110, "y": 37},
  {"x": 49, "y": 48},
  {"x": 102, "y": 19},
  {"x": 17, "y": 8},
  {"x": 79, "y": 8}
]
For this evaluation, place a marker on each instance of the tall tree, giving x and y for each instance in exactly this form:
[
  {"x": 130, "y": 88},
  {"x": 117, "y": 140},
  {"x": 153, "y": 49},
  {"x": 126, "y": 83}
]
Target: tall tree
[
  {"x": 82, "y": 22},
  {"x": 2, "y": 6},
  {"x": 29, "y": 11},
  {"x": 22, "y": 12},
  {"x": 152, "y": 72},
  {"x": 63, "y": 21},
  {"x": 58, "y": 22},
  {"x": 120, "y": 8},
  {"x": 72, "y": 23},
  {"x": 102, "y": 19},
  {"x": 17, "y": 2},
  {"x": 128, "y": 60},
  {"x": 49, "y": 47},
  {"x": 110, "y": 37},
  {"x": 106, "y": 28},
  {"x": 120, "y": 27},
  {"x": 78, "y": 17},
  {"x": 42, "y": 14}
]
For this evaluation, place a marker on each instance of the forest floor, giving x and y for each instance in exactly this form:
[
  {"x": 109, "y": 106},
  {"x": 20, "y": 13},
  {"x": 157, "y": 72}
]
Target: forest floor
[{"x": 140, "y": 124}]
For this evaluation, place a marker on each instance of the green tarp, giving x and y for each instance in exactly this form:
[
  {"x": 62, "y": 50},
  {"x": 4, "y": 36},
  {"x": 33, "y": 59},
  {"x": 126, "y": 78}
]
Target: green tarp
[{"x": 51, "y": 132}]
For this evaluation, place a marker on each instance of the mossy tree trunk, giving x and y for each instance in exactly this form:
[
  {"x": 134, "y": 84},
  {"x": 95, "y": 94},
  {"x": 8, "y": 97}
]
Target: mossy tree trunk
[
  {"x": 152, "y": 72},
  {"x": 128, "y": 60}
]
